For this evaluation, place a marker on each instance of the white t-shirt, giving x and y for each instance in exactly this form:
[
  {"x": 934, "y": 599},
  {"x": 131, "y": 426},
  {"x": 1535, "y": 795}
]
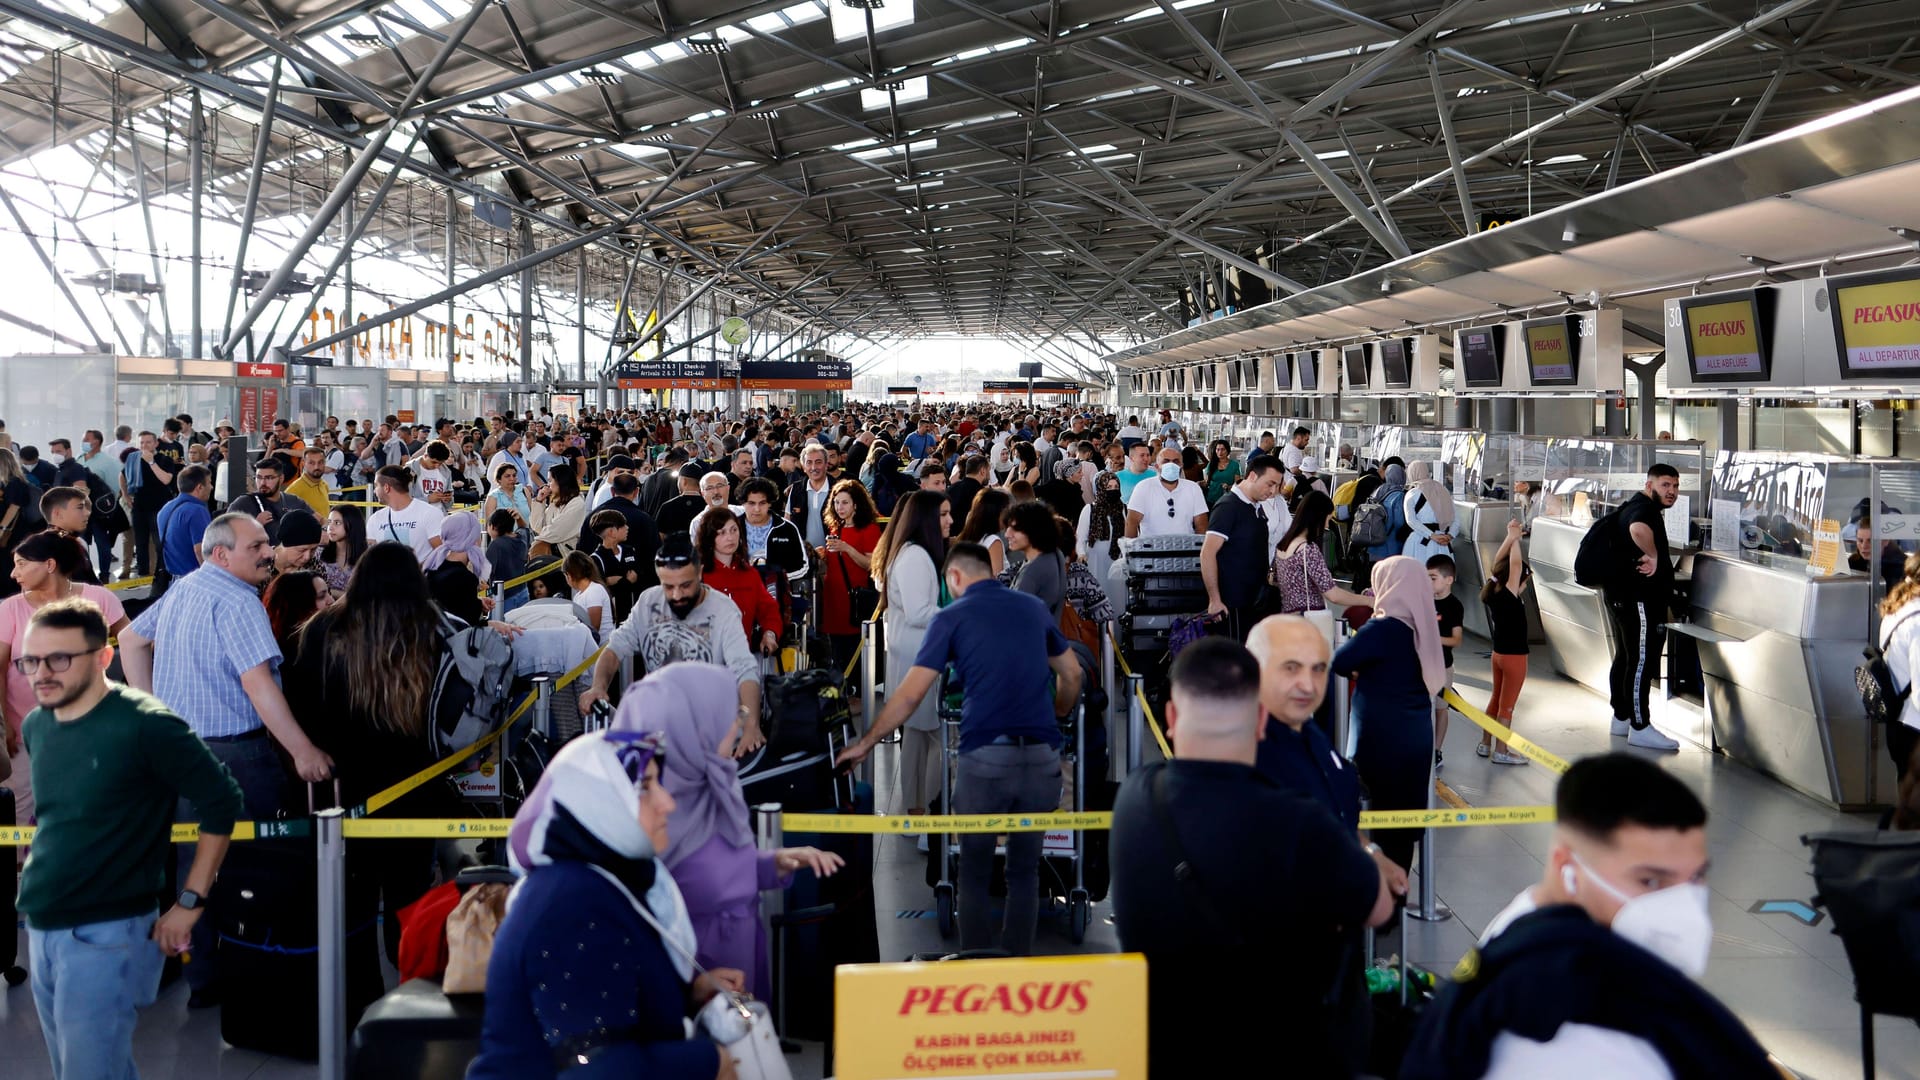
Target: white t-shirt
[
  {"x": 1291, "y": 456},
  {"x": 431, "y": 482},
  {"x": 1131, "y": 431},
  {"x": 1900, "y": 642},
  {"x": 595, "y": 596},
  {"x": 417, "y": 525},
  {"x": 335, "y": 462},
  {"x": 1576, "y": 1051},
  {"x": 1151, "y": 500}
]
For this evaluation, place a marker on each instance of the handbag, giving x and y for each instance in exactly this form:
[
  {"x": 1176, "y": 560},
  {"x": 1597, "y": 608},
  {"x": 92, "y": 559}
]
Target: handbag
[
  {"x": 741, "y": 1026},
  {"x": 862, "y": 600}
]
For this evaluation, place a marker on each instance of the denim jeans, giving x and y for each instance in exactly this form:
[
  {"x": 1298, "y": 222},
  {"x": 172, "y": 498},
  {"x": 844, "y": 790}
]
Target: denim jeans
[
  {"x": 515, "y": 597},
  {"x": 263, "y": 783},
  {"x": 88, "y": 982},
  {"x": 996, "y": 780}
]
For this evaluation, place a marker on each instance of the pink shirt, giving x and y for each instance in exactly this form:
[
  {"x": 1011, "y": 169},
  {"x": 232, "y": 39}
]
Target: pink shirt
[{"x": 14, "y": 613}]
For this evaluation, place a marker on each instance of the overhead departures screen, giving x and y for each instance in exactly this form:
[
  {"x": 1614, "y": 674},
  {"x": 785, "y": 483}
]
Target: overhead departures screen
[
  {"x": 1354, "y": 358},
  {"x": 1552, "y": 352},
  {"x": 1476, "y": 351},
  {"x": 1395, "y": 366},
  {"x": 1307, "y": 374},
  {"x": 1233, "y": 378},
  {"x": 1877, "y": 320},
  {"x": 1725, "y": 341}
]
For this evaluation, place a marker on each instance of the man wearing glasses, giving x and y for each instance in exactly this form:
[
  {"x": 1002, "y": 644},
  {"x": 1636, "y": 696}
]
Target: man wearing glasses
[
  {"x": 1169, "y": 504},
  {"x": 120, "y": 759}
]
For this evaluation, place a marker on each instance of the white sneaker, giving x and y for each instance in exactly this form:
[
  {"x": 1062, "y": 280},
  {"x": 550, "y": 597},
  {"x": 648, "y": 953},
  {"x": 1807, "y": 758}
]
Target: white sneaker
[
  {"x": 1649, "y": 738},
  {"x": 1620, "y": 728},
  {"x": 920, "y": 842}
]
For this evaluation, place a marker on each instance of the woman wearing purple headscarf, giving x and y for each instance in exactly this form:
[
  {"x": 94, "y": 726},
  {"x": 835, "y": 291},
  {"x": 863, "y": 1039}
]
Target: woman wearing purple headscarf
[
  {"x": 695, "y": 708},
  {"x": 456, "y": 568}
]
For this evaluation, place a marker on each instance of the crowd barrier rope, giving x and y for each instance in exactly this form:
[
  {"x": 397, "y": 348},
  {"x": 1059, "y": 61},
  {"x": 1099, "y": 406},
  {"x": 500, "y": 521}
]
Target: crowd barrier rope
[{"x": 1526, "y": 747}]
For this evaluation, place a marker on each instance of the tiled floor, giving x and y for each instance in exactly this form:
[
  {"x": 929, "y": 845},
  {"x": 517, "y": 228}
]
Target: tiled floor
[{"x": 1789, "y": 982}]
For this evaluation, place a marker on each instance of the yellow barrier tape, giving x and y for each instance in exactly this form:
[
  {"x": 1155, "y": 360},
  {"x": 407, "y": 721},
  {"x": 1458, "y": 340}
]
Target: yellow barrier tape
[
  {"x": 1145, "y": 710},
  {"x": 1505, "y": 734},
  {"x": 423, "y": 828},
  {"x": 513, "y": 583},
  {"x": 945, "y": 823},
  {"x": 347, "y": 502},
  {"x": 1449, "y": 796},
  {"x": 130, "y": 583},
  {"x": 1443, "y": 817},
  {"x": 852, "y": 662},
  {"x": 184, "y": 832}
]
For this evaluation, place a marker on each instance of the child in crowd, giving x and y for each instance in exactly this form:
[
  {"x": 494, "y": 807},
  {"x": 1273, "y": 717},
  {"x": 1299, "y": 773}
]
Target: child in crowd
[
  {"x": 1507, "y": 625},
  {"x": 617, "y": 562},
  {"x": 506, "y": 558},
  {"x": 1440, "y": 571},
  {"x": 590, "y": 592}
]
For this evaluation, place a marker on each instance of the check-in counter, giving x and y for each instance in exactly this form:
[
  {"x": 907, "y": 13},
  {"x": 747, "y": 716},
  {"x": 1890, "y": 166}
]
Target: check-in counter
[
  {"x": 1777, "y": 649},
  {"x": 1480, "y": 527},
  {"x": 1573, "y": 618}
]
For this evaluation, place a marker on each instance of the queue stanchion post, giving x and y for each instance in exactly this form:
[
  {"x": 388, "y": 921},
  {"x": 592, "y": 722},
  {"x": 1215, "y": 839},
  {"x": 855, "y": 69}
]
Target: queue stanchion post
[
  {"x": 870, "y": 645},
  {"x": 770, "y": 836},
  {"x": 543, "y": 705},
  {"x": 1344, "y": 735},
  {"x": 331, "y": 852},
  {"x": 1136, "y": 721},
  {"x": 1430, "y": 908},
  {"x": 1116, "y": 739}
]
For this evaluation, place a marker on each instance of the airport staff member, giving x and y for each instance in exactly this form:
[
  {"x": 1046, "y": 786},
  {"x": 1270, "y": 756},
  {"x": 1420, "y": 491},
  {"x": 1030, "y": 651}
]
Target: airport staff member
[
  {"x": 1638, "y": 590},
  {"x": 1004, "y": 647},
  {"x": 1168, "y": 505},
  {"x": 1238, "y": 549}
]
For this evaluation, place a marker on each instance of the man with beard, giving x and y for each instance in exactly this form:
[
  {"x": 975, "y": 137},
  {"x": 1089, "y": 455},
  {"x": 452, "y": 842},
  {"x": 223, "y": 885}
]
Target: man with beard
[
  {"x": 682, "y": 619},
  {"x": 268, "y": 504}
]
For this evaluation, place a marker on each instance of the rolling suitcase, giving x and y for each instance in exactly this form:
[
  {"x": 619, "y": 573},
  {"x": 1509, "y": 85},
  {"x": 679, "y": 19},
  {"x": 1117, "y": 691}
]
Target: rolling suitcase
[
  {"x": 827, "y": 922},
  {"x": 10, "y": 968},
  {"x": 808, "y": 724},
  {"x": 265, "y": 903}
]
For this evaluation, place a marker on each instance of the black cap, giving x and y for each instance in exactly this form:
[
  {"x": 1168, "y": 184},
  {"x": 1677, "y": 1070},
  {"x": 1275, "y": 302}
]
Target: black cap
[
  {"x": 692, "y": 470},
  {"x": 299, "y": 528},
  {"x": 676, "y": 550},
  {"x": 621, "y": 461}
]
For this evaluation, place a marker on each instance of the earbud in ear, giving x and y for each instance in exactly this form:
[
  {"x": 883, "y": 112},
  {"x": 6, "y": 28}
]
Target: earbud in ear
[{"x": 1566, "y": 878}]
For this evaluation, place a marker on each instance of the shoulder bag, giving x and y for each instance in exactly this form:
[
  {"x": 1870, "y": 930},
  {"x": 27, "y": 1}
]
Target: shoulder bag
[{"x": 862, "y": 600}]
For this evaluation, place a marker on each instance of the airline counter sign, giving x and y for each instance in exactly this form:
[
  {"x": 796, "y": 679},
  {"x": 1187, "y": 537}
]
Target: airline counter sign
[
  {"x": 1549, "y": 352},
  {"x": 1881, "y": 324},
  {"x": 1044, "y": 1018},
  {"x": 1724, "y": 341}
]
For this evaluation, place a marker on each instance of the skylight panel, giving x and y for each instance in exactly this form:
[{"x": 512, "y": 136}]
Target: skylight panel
[
  {"x": 851, "y": 23},
  {"x": 919, "y": 146},
  {"x": 911, "y": 90}
]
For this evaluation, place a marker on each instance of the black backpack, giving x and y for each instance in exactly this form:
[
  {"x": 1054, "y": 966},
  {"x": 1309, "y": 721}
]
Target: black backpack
[
  {"x": 1598, "y": 559},
  {"x": 1883, "y": 700}
]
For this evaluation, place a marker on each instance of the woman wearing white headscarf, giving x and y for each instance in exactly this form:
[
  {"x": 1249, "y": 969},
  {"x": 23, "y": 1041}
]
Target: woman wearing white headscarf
[
  {"x": 591, "y": 965},
  {"x": 1396, "y": 656},
  {"x": 1429, "y": 514}
]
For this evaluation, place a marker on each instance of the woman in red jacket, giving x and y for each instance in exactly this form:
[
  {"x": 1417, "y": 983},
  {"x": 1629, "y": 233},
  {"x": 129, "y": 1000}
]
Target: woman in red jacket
[
  {"x": 724, "y": 566},
  {"x": 853, "y": 531}
]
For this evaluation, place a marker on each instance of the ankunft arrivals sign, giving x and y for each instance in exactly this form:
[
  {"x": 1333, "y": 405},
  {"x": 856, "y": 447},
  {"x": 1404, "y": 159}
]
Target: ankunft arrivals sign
[
  {"x": 415, "y": 339},
  {"x": 1019, "y": 386},
  {"x": 669, "y": 375},
  {"x": 817, "y": 374}
]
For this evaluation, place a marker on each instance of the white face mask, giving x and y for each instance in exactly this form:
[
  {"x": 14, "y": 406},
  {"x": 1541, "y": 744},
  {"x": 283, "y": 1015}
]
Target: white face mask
[
  {"x": 57, "y": 459},
  {"x": 1671, "y": 923},
  {"x": 1169, "y": 471}
]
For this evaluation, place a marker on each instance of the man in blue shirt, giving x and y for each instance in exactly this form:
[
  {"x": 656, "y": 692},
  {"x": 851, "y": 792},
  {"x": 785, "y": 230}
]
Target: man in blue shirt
[
  {"x": 1139, "y": 456},
  {"x": 921, "y": 443},
  {"x": 184, "y": 520},
  {"x": 1003, "y": 648}
]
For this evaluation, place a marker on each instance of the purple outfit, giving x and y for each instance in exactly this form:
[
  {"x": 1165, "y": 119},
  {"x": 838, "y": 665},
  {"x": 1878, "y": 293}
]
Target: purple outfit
[{"x": 710, "y": 846}]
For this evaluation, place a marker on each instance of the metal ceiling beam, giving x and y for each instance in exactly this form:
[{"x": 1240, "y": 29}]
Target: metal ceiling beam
[
  {"x": 1444, "y": 110},
  {"x": 323, "y": 217},
  {"x": 1386, "y": 237},
  {"x": 52, "y": 271},
  {"x": 1220, "y": 63},
  {"x": 1760, "y": 107},
  {"x": 167, "y": 33},
  {"x": 262, "y": 142},
  {"x": 1380, "y": 61}
]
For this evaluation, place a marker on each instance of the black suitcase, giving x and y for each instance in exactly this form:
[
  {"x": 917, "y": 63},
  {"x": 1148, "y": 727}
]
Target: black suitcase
[
  {"x": 828, "y": 921},
  {"x": 808, "y": 725},
  {"x": 10, "y": 967},
  {"x": 266, "y": 907}
]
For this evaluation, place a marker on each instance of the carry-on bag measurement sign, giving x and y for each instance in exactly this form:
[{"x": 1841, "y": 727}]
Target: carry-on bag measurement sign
[{"x": 1035, "y": 1018}]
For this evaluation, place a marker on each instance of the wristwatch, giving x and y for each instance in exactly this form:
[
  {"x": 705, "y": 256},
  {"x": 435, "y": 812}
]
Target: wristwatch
[
  {"x": 190, "y": 900},
  {"x": 1373, "y": 849}
]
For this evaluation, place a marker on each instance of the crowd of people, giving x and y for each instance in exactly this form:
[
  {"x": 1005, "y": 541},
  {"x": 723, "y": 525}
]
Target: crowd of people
[{"x": 289, "y": 638}]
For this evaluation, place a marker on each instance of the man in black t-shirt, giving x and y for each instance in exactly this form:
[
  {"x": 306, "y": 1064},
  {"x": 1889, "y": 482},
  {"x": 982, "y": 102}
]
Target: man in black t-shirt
[
  {"x": 1237, "y": 551},
  {"x": 267, "y": 504},
  {"x": 1638, "y": 592},
  {"x": 157, "y": 470},
  {"x": 1271, "y": 882}
]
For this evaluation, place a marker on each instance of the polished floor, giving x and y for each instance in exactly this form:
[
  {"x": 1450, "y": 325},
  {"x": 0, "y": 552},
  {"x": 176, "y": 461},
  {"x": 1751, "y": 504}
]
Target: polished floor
[{"x": 1788, "y": 981}]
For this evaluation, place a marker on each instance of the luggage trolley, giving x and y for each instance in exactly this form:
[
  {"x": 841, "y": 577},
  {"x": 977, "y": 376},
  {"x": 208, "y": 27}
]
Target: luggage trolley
[{"x": 1059, "y": 865}]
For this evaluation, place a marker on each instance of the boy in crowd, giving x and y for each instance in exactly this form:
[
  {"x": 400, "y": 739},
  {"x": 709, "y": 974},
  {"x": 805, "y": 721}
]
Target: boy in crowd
[
  {"x": 506, "y": 558},
  {"x": 619, "y": 563},
  {"x": 1440, "y": 571}
]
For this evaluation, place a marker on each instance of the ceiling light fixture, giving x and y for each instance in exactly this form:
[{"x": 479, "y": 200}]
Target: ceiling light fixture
[
  {"x": 601, "y": 76},
  {"x": 486, "y": 108},
  {"x": 712, "y": 46},
  {"x": 364, "y": 39}
]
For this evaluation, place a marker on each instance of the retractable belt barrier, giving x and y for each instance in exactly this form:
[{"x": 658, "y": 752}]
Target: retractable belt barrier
[
  {"x": 1504, "y": 733},
  {"x": 130, "y": 583},
  {"x": 1146, "y": 710}
]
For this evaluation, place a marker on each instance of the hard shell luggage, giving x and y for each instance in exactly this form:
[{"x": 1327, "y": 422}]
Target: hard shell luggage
[
  {"x": 10, "y": 968},
  {"x": 266, "y": 906},
  {"x": 827, "y": 922},
  {"x": 807, "y": 725}
]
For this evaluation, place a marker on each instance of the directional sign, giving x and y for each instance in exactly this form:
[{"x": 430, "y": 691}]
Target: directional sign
[{"x": 1799, "y": 909}]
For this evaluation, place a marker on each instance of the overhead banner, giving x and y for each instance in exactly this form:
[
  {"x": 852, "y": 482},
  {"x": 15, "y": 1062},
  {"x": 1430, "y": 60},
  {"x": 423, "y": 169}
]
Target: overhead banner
[
  {"x": 1044, "y": 1018},
  {"x": 817, "y": 374},
  {"x": 1019, "y": 386},
  {"x": 903, "y": 391},
  {"x": 668, "y": 375}
]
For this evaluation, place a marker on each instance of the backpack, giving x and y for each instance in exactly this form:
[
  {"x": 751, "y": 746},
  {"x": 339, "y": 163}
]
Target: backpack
[
  {"x": 1878, "y": 693},
  {"x": 1595, "y": 564},
  {"x": 470, "y": 687},
  {"x": 1370, "y": 524}
]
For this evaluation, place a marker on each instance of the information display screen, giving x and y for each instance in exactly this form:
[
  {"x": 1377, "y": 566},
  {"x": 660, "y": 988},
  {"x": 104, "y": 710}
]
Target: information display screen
[
  {"x": 1477, "y": 352},
  {"x": 1354, "y": 359},
  {"x": 1396, "y": 366},
  {"x": 1306, "y": 372},
  {"x": 1233, "y": 378},
  {"x": 1876, "y": 321},
  {"x": 1553, "y": 351},
  {"x": 1250, "y": 374},
  {"x": 1725, "y": 338}
]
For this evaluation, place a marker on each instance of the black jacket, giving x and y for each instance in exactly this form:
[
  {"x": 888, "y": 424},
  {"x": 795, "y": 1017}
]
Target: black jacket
[
  {"x": 643, "y": 536},
  {"x": 794, "y": 506},
  {"x": 655, "y": 490}
]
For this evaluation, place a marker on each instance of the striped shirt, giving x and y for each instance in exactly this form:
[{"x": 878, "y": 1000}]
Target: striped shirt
[{"x": 207, "y": 631}]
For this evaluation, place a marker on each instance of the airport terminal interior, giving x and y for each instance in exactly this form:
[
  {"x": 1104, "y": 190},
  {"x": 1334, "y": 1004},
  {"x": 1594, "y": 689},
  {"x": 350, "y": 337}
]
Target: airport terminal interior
[{"x": 1604, "y": 313}]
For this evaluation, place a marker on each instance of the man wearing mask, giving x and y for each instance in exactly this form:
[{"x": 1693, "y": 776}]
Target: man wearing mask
[
  {"x": 682, "y": 619},
  {"x": 1139, "y": 467},
  {"x": 1623, "y": 902},
  {"x": 1170, "y": 505}
]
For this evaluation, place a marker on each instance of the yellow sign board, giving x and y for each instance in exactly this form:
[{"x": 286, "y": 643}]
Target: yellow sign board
[
  {"x": 1826, "y": 549},
  {"x": 1725, "y": 339},
  {"x": 1040, "y": 1018}
]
